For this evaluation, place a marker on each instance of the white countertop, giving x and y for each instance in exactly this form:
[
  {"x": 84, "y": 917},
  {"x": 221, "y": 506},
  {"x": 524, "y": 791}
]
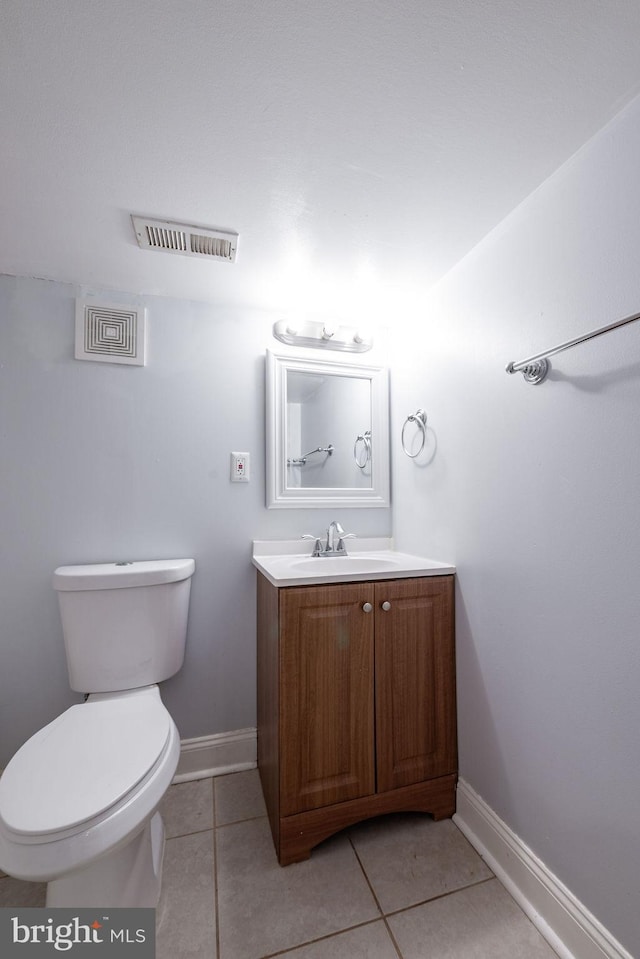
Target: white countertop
[{"x": 289, "y": 563}]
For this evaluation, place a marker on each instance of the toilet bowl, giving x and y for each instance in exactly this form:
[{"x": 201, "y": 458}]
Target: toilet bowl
[
  {"x": 84, "y": 787},
  {"x": 79, "y": 800}
]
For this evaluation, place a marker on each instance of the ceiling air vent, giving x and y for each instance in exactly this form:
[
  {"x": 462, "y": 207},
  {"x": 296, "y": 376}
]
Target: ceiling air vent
[{"x": 185, "y": 239}]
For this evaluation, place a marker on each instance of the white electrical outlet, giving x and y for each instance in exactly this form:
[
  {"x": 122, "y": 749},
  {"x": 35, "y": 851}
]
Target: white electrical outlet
[{"x": 239, "y": 467}]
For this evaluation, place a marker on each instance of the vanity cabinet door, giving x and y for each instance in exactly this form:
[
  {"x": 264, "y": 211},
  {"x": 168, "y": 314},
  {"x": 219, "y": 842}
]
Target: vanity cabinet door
[
  {"x": 326, "y": 696},
  {"x": 414, "y": 681}
]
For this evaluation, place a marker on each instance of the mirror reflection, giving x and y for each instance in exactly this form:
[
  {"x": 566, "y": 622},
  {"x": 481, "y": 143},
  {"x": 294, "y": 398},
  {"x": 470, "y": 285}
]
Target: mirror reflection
[{"x": 327, "y": 433}]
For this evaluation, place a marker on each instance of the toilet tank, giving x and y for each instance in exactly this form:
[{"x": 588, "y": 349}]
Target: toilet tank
[{"x": 124, "y": 624}]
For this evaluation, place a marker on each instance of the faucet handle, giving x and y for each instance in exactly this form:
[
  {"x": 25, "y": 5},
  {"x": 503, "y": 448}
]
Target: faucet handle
[
  {"x": 317, "y": 546},
  {"x": 341, "y": 547}
]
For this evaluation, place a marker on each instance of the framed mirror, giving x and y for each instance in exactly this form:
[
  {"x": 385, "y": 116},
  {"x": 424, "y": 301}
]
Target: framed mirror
[{"x": 327, "y": 433}]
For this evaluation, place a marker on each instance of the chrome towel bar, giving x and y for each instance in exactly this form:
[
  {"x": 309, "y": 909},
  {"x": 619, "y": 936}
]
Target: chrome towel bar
[
  {"x": 302, "y": 460},
  {"x": 535, "y": 368}
]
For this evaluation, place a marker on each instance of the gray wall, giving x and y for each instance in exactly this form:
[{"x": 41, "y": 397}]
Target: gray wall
[
  {"x": 534, "y": 492},
  {"x": 101, "y": 462}
]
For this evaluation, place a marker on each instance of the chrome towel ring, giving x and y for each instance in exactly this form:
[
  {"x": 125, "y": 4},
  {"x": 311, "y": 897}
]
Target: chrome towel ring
[
  {"x": 363, "y": 456},
  {"x": 420, "y": 419}
]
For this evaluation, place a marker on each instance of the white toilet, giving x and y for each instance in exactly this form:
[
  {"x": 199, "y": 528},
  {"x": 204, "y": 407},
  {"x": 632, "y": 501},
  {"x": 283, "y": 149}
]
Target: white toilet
[{"x": 78, "y": 802}]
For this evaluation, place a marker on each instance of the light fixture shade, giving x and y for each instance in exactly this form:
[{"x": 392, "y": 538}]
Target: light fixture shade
[{"x": 323, "y": 336}]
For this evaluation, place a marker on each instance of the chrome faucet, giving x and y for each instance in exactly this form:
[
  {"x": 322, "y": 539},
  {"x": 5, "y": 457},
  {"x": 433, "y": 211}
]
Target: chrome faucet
[{"x": 335, "y": 529}]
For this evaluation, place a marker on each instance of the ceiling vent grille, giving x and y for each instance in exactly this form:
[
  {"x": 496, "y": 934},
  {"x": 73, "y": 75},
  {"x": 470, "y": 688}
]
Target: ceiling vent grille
[
  {"x": 185, "y": 239},
  {"x": 110, "y": 333}
]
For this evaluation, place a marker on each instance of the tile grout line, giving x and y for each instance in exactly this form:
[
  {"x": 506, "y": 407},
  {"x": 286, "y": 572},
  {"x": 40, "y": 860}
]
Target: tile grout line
[
  {"x": 309, "y": 942},
  {"x": 312, "y": 942},
  {"x": 236, "y": 822},
  {"x": 216, "y": 905},
  {"x": 376, "y": 900},
  {"x": 423, "y": 902},
  {"x": 194, "y": 832},
  {"x": 440, "y": 895}
]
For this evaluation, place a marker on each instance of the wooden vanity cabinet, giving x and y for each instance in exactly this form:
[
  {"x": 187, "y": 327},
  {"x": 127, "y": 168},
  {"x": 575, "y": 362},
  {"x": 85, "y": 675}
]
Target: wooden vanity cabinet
[{"x": 356, "y": 705}]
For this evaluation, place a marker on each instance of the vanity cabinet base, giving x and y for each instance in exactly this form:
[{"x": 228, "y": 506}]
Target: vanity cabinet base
[
  {"x": 356, "y": 705},
  {"x": 295, "y": 836}
]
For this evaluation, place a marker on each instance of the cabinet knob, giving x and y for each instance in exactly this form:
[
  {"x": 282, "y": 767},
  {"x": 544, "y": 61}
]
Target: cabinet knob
[
  {"x": 367, "y": 607},
  {"x": 386, "y": 605}
]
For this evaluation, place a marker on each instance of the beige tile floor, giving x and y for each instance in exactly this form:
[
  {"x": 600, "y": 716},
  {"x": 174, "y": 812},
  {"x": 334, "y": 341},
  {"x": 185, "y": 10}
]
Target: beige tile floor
[{"x": 399, "y": 887}]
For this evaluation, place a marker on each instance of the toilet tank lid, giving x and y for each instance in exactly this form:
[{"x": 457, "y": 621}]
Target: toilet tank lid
[{"x": 123, "y": 574}]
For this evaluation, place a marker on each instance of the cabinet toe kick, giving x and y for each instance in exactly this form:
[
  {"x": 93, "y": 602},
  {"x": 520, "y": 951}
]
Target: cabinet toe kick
[{"x": 299, "y": 834}]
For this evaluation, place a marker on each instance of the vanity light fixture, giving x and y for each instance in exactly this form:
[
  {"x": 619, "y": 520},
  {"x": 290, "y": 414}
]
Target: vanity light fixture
[{"x": 324, "y": 336}]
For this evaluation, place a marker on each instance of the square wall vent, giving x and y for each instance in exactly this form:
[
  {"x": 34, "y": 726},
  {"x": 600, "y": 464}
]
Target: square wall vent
[
  {"x": 109, "y": 333},
  {"x": 185, "y": 239}
]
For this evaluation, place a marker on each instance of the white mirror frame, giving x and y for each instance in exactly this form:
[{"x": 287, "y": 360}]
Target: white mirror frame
[{"x": 281, "y": 496}]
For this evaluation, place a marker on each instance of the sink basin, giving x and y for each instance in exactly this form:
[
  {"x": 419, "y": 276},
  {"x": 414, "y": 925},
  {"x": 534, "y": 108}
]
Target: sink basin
[
  {"x": 323, "y": 565},
  {"x": 283, "y": 568}
]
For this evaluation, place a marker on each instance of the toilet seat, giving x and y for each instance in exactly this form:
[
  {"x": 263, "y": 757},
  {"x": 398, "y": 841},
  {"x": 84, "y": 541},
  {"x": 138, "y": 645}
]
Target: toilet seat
[
  {"x": 85, "y": 762},
  {"x": 44, "y": 856}
]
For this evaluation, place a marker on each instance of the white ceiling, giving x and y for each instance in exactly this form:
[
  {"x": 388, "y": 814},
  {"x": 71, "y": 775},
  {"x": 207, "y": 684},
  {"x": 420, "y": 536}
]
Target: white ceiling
[{"x": 359, "y": 147}]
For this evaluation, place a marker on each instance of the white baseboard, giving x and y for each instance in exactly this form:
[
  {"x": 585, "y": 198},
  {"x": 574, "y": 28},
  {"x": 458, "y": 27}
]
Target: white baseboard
[
  {"x": 569, "y": 928},
  {"x": 217, "y": 755}
]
